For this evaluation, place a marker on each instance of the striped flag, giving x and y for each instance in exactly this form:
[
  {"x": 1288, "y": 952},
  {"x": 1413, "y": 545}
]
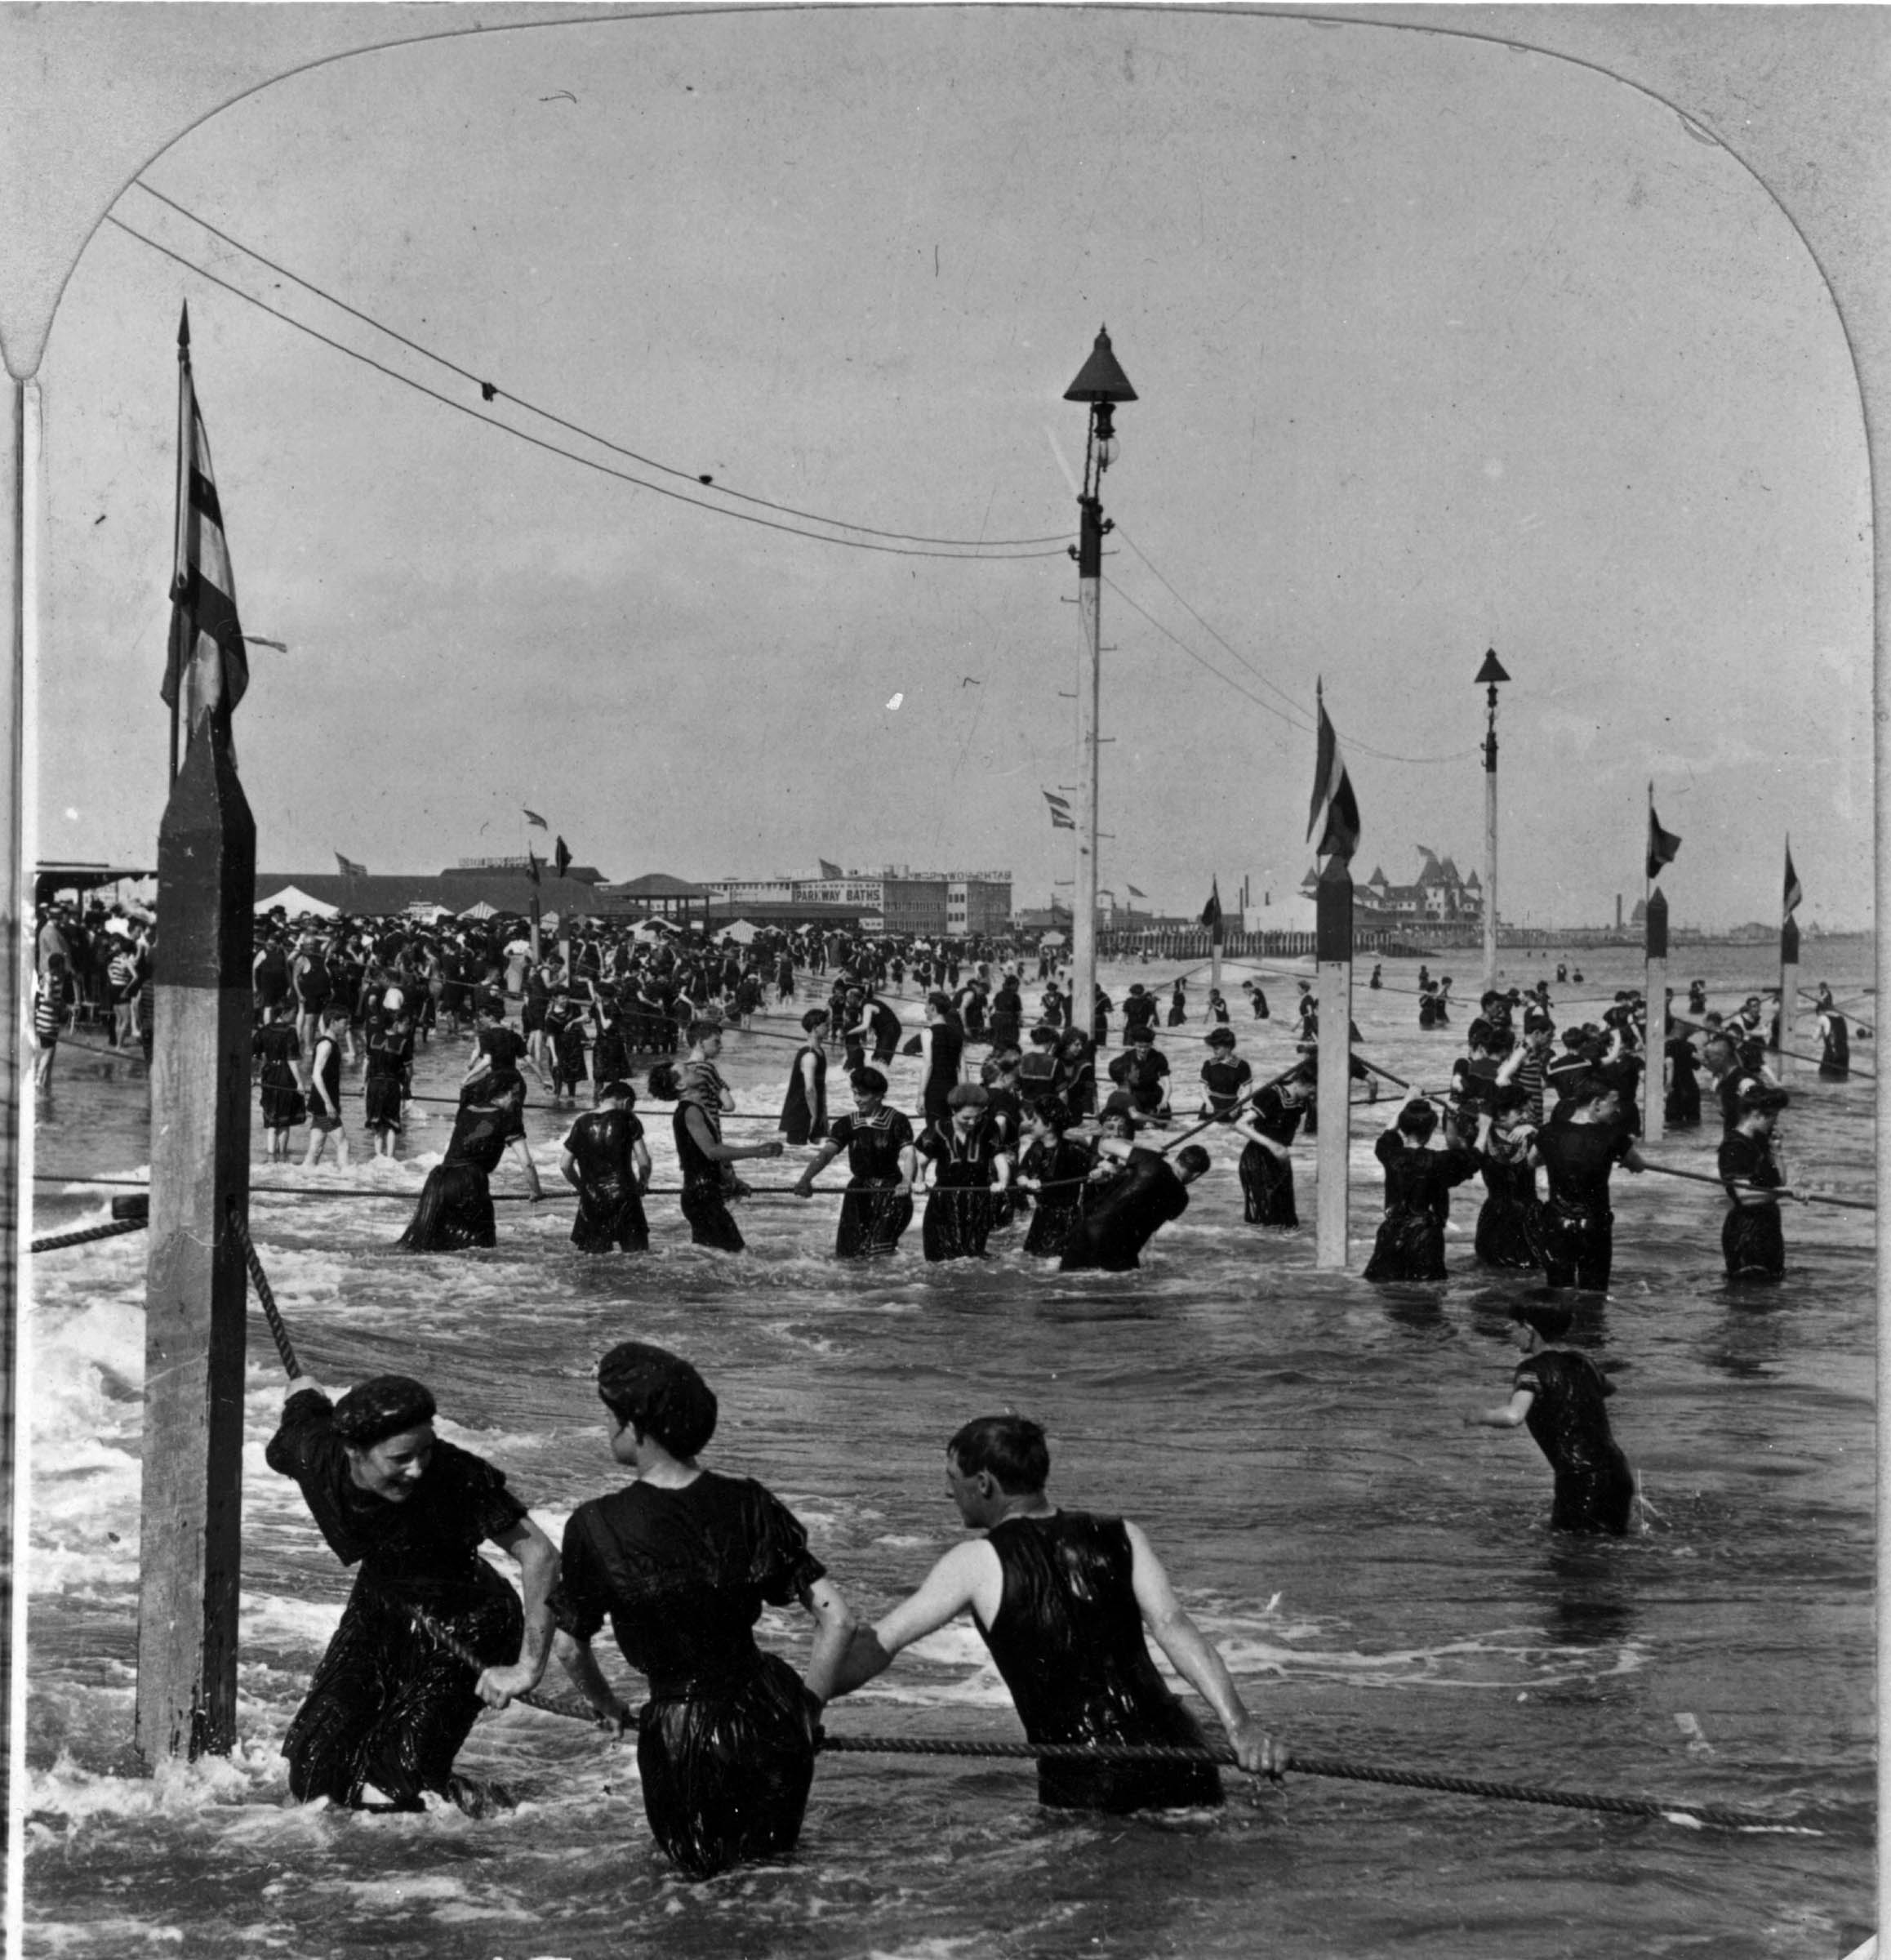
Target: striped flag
[
  {"x": 1335, "y": 812},
  {"x": 1794, "y": 891},
  {"x": 537, "y": 822},
  {"x": 1133, "y": 893},
  {"x": 1661, "y": 845},
  {"x": 349, "y": 868},
  {"x": 1061, "y": 817},
  {"x": 828, "y": 870},
  {"x": 207, "y": 662}
]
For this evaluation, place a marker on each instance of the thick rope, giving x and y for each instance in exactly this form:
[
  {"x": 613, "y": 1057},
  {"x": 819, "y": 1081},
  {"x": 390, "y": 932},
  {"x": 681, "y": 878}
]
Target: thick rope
[
  {"x": 114, "y": 1230},
  {"x": 1308, "y": 1765},
  {"x": 445, "y": 1637},
  {"x": 280, "y": 1334}
]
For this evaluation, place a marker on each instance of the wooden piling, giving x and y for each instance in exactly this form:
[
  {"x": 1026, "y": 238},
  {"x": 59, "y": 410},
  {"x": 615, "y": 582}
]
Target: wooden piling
[
  {"x": 1333, "y": 951},
  {"x": 1788, "y": 996},
  {"x": 1655, "y": 995},
  {"x": 189, "y": 1555}
]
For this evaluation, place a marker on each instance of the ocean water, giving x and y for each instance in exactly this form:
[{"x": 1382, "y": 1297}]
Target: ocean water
[{"x": 1380, "y": 1579}]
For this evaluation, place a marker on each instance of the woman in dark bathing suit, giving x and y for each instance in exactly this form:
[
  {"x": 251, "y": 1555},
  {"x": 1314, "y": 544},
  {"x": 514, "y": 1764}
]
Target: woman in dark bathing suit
[
  {"x": 681, "y": 1561},
  {"x": 1560, "y": 1396}
]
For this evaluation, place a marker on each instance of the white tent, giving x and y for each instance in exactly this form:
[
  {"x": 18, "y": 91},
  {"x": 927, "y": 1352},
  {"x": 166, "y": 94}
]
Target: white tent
[
  {"x": 741, "y": 932},
  {"x": 425, "y": 909},
  {"x": 481, "y": 911},
  {"x": 295, "y": 901}
]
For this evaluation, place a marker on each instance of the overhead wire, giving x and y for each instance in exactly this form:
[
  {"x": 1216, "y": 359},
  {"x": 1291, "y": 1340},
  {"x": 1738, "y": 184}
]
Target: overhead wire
[
  {"x": 492, "y": 391},
  {"x": 746, "y": 517},
  {"x": 1305, "y": 724}
]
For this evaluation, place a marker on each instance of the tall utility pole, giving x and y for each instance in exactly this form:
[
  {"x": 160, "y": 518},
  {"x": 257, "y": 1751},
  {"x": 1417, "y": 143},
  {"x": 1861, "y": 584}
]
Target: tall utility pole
[
  {"x": 1489, "y": 676},
  {"x": 1102, "y": 384}
]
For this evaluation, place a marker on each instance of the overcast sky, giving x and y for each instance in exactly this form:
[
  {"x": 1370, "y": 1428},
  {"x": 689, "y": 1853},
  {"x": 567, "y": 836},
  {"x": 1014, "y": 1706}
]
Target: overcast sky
[{"x": 1439, "y": 345}]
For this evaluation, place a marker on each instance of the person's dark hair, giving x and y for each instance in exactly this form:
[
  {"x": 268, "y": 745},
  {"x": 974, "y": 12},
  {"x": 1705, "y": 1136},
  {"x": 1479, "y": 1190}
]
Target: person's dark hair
[
  {"x": 1012, "y": 1448},
  {"x": 869, "y": 1081},
  {"x": 384, "y": 1406},
  {"x": 1549, "y": 1323},
  {"x": 494, "y": 1087},
  {"x": 701, "y": 1030},
  {"x": 662, "y": 1082},
  {"x": 1052, "y": 1112},
  {"x": 1511, "y": 1095},
  {"x": 612, "y": 1090},
  {"x": 1590, "y": 1087},
  {"x": 1192, "y": 1157},
  {"x": 1417, "y": 1119},
  {"x": 816, "y": 1016},
  {"x": 940, "y": 1004},
  {"x": 659, "y": 1393},
  {"x": 1044, "y": 1035}
]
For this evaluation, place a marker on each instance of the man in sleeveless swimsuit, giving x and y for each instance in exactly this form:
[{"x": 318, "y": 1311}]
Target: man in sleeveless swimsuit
[{"x": 1061, "y": 1599}]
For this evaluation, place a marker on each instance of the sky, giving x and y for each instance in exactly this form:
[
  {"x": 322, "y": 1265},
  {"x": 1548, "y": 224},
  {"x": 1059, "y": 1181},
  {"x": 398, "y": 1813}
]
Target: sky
[{"x": 1438, "y": 345}]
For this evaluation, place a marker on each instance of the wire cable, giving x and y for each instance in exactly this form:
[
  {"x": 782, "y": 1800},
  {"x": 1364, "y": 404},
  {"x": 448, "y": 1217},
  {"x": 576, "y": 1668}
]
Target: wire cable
[
  {"x": 491, "y": 391},
  {"x": 552, "y": 448},
  {"x": 1306, "y": 725}
]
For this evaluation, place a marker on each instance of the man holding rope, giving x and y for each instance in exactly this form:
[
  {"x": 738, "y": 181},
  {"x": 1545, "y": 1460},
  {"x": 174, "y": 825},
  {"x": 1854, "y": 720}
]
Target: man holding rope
[{"x": 1060, "y": 1599}]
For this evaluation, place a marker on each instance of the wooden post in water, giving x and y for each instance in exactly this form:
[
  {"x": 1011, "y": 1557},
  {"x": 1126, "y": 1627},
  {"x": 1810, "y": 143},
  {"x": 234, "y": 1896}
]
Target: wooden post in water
[
  {"x": 1788, "y": 994},
  {"x": 1655, "y": 993},
  {"x": 189, "y": 1553},
  {"x": 1333, "y": 951}
]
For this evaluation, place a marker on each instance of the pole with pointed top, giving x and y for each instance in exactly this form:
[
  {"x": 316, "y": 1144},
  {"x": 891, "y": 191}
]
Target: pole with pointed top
[
  {"x": 1490, "y": 676},
  {"x": 1102, "y": 384}
]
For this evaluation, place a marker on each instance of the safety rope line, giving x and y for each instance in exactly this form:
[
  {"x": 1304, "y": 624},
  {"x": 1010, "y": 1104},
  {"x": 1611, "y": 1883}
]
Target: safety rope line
[
  {"x": 1310, "y": 1766},
  {"x": 116, "y": 1229}
]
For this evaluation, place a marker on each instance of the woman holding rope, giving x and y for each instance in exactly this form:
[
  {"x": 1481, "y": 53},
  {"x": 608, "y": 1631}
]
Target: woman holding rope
[
  {"x": 1752, "y": 1240},
  {"x": 1266, "y": 1165},
  {"x": 390, "y": 1704},
  {"x": 681, "y": 1561}
]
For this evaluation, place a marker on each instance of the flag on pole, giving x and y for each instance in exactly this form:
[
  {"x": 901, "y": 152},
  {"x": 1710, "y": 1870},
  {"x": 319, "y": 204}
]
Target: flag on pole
[
  {"x": 1062, "y": 820},
  {"x": 828, "y": 870},
  {"x": 1211, "y": 912},
  {"x": 207, "y": 661},
  {"x": 1794, "y": 891},
  {"x": 1661, "y": 845},
  {"x": 561, "y": 858},
  {"x": 350, "y": 868},
  {"x": 1055, "y": 802},
  {"x": 537, "y": 822},
  {"x": 1335, "y": 812},
  {"x": 1133, "y": 893},
  {"x": 531, "y": 865}
]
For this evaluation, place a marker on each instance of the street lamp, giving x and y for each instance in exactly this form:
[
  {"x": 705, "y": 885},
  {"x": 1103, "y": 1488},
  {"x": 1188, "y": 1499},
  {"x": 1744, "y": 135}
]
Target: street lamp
[
  {"x": 1490, "y": 676},
  {"x": 1102, "y": 384}
]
